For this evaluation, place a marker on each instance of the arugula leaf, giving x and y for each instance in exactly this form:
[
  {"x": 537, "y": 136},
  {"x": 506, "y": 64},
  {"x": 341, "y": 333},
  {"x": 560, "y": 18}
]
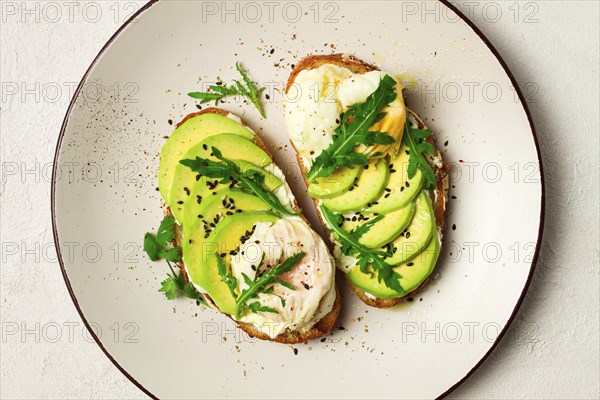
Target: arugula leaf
[
  {"x": 262, "y": 283},
  {"x": 354, "y": 131},
  {"x": 351, "y": 246},
  {"x": 256, "y": 307},
  {"x": 415, "y": 140},
  {"x": 228, "y": 171},
  {"x": 250, "y": 91},
  {"x": 227, "y": 276}
]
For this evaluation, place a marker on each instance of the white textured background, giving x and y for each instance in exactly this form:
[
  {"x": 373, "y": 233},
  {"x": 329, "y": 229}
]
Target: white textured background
[{"x": 552, "y": 349}]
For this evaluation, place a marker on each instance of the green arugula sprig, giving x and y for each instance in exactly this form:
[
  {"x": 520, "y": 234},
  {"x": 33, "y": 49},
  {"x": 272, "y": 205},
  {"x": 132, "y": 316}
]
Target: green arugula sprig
[
  {"x": 156, "y": 248},
  {"x": 228, "y": 171},
  {"x": 250, "y": 91},
  {"x": 418, "y": 146},
  {"x": 354, "y": 131},
  {"x": 263, "y": 282},
  {"x": 351, "y": 246}
]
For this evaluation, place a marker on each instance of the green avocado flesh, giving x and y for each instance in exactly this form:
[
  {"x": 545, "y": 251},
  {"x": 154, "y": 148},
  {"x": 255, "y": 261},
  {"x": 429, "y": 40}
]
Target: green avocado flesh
[
  {"x": 231, "y": 146},
  {"x": 412, "y": 273},
  {"x": 216, "y": 206},
  {"x": 399, "y": 190},
  {"x": 384, "y": 230},
  {"x": 205, "y": 188},
  {"x": 336, "y": 184},
  {"x": 200, "y": 256},
  {"x": 369, "y": 186},
  {"x": 187, "y": 135},
  {"x": 417, "y": 234}
]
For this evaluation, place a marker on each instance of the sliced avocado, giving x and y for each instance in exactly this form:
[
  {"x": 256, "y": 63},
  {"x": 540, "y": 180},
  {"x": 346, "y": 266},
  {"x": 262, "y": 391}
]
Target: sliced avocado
[
  {"x": 187, "y": 135},
  {"x": 336, "y": 184},
  {"x": 412, "y": 273},
  {"x": 232, "y": 147},
  {"x": 205, "y": 188},
  {"x": 384, "y": 230},
  {"x": 400, "y": 190},
  {"x": 200, "y": 259},
  {"x": 414, "y": 238},
  {"x": 215, "y": 207},
  {"x": 369, "y": 186}
]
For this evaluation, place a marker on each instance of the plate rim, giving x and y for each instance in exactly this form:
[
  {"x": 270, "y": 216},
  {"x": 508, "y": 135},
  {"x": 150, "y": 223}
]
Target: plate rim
[{"x": 481, "y": 36}]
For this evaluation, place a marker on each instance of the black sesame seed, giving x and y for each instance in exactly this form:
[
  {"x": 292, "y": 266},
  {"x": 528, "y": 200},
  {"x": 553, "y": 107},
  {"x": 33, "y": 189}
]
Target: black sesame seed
[
  {"x": 453, "y": 227},
  {"x": 180, "y": 202},
  {"x": 410, "y": 264}
]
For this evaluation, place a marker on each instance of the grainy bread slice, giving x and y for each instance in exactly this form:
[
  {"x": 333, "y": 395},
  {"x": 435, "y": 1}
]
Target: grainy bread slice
[
  {"x": 323, "y": 326},
  {"x": 439, "y": 197}
]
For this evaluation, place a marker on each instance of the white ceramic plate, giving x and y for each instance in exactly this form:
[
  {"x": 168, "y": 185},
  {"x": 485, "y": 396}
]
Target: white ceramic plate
[{"x": 104, "y": 199}]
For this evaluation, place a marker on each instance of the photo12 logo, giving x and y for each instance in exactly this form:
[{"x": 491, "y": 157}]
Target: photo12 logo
[
  {"x": 67, "y": 331},
  {"x": 270, "y": 11},
  {"x": 489, "y": 11},
  {"x": 56, "y": 92},
  {"x": 53, "y": 12}
]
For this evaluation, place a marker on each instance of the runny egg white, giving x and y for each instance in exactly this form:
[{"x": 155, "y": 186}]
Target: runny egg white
[
  {"x": 319, "y": 96},
  {"x": 312, "y": 277}
]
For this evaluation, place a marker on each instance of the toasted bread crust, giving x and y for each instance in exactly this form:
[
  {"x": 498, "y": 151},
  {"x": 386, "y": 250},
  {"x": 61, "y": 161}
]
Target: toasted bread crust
[
  {"x": 324, "y": 325},
  {"x": 440, "y": 193}
]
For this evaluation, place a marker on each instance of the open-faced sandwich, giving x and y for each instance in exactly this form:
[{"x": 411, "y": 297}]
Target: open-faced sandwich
[
  {"x": 372, "y": 168},
  {"x": 246, "y": 249}
]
